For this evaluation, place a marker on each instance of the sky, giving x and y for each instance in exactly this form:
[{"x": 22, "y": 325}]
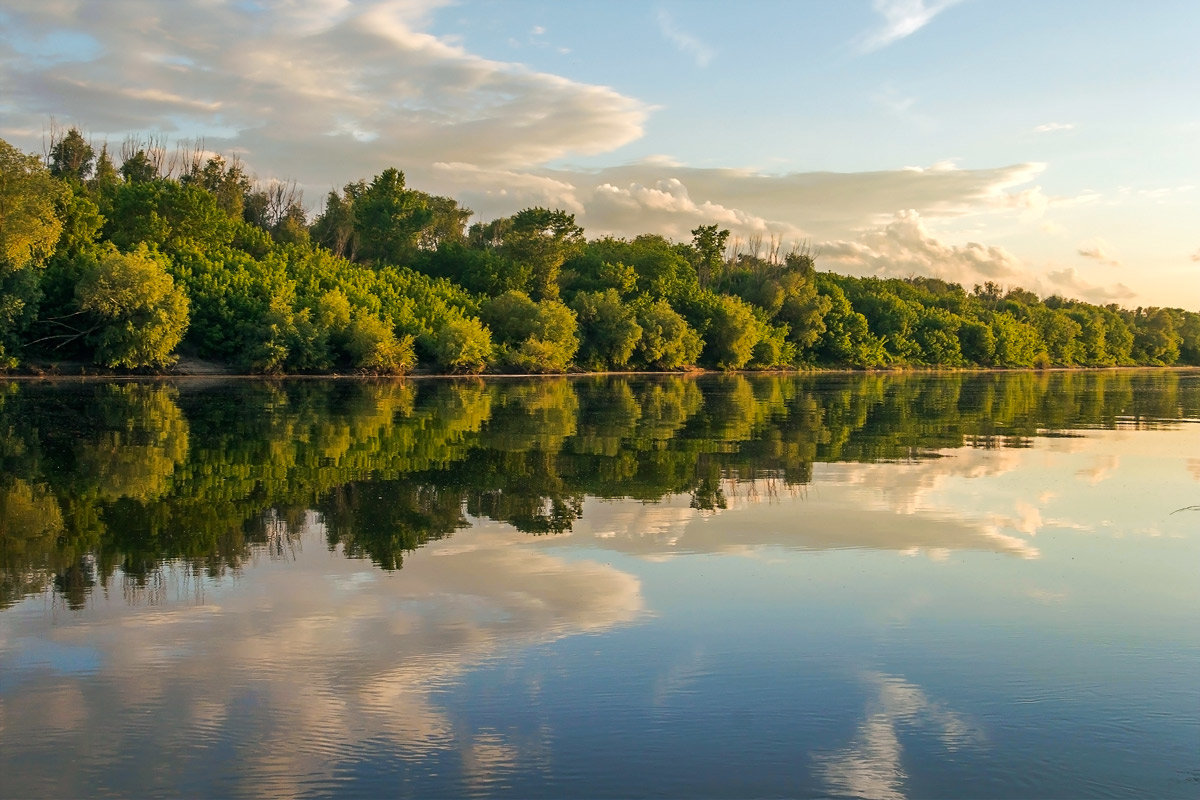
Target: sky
[{"x": 1054, "y": 146}]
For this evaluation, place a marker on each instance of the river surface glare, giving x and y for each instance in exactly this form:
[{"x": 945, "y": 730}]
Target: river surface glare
[{"x": 846, "y": 586}]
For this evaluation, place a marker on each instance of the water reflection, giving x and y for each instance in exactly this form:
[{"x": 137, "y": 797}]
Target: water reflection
[
  {"x": 872, "y": 765},
  {"x": 506, "y": 588},
  {"x": 314, "y": 665},
  {"x": 101, "y": 480}
]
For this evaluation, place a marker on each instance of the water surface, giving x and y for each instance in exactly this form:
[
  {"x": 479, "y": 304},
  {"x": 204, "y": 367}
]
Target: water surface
[{"x": 878, "y": 586}]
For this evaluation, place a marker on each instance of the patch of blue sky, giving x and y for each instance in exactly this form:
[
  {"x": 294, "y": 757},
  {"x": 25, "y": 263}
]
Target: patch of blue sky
[{"x": 55, "y": 47}]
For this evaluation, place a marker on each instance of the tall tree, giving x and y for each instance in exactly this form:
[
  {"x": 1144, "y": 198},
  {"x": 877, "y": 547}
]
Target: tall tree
[
  {"x": 71, "y": 157},
  {"x": 542, "y": 240},
  {"x": 29, "y": 229},
  {"x": 709, "y": 244},
  {"x": 334, "y": 227},
  {"x": 388, "y": 219}
]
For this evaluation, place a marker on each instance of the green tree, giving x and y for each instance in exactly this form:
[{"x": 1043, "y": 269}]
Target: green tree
[
  {"x": 334, "y": 227},
  {"x": 891, "y": 318},
  {"x": 731, "y": 331},
  {"x": 462, "y": 344},
  {"x": 227, "y": 182},
  {"x": 709, "y": 245},
  {"x": 486, "y": 271},
  {"x": 106, "y": 175},
  {"x": 663, "y": 270},
  {"x": 138, "y": 314},
  {"x": 374, "y": 346},
  {"x": 803, "y": 308},
  {"x": 139, "y": 168},
  {"x": 1155, "y": 340},
  {"x": 1188, "y": 326},
  {"x": 1017, "y": 342},
  {"x": 589, "y": 271},
  {"x": 71, "y": 156},
  {"x": 29, "y": 230},
  {"x": 541, "y": 240},
  {"x": 447, "y": 223},
  {"x": 1060, "y": 335},
  {"x": 389, "y": 219},
  {"x": 533, "y": 336},
  {"x": 937, "y": 335},
  {"x": 847, "y": 339},
  {"x": 977, "y": 342},
  {"x": 608, "y": 328},
  {"x": 667, "y": 342}
]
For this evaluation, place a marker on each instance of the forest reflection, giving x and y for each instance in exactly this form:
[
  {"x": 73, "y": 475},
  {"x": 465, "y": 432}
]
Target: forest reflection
[{"x": 108, "y": 481}]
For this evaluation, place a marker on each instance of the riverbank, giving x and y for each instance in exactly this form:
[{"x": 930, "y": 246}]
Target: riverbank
[{"x": 200, "y": 368}]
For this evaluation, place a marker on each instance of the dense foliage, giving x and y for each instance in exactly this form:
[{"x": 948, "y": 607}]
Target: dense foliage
[{"x": 131, "y": 267}]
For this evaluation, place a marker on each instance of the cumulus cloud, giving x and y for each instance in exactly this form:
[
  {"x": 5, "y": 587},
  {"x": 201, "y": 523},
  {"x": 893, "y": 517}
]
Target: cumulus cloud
[
  {"x": 285, "y": 84},
  {"x": 657, "y": 195},
  {"x": 901, "y": 18},
  {"x": 684, "y": 42},
  {"x": 1101, "y": 251},
  {"x": 850, "y": 218},
  {"x": 905, "y": 247}
]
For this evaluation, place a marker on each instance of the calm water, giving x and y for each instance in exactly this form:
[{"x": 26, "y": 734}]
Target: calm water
[{"x": 835, "y": 586}]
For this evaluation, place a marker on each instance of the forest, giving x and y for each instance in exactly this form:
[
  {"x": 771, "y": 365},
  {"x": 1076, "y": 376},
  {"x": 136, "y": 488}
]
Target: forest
[{"x": 131, "y": 266}]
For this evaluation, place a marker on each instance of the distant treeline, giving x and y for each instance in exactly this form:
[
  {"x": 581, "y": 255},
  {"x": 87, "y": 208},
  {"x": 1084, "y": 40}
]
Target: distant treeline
[{"x": 129, "y": 267}]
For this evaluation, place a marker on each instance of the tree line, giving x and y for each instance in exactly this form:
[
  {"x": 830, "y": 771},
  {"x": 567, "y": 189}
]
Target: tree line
[{"x": 132, "y": 266}]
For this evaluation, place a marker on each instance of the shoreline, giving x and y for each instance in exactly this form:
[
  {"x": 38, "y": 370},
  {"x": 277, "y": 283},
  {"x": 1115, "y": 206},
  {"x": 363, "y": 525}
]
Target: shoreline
[{"x": 195, "y": 369}]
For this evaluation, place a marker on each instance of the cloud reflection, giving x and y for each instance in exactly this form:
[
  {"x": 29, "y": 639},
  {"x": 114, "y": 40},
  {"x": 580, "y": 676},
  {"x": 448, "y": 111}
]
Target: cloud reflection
[
  {"x": 309, "y": 665},
  {"x": 981, "y": 499},
  {"x": 876, "y": 506},
  {"x": 871, "y": 765}
]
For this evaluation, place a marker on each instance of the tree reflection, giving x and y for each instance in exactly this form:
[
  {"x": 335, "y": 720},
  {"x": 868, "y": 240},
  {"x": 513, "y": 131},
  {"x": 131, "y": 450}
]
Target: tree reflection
[
  {"x": 383, "y": 520},
  {"x": 98, "y": 478}
]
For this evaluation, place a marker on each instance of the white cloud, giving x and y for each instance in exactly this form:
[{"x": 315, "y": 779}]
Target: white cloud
[
  {"x": 1052, "y": 127},
  {"x": 901, "y": 18},
  {"x": 662, "y": 196},
  {"x": 684, "y": 42},
  {"x": 905, "y": 247},
  {"x": 1099, "y": 250},
  {"x": 286, "y": 84},
  {"x": 867, "y": 223},
  {"x": 1067, "y": 282}
]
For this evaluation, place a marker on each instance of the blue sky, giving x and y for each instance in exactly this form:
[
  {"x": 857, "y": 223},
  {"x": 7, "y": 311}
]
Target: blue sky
[{"x": 1050, "y": 145}]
